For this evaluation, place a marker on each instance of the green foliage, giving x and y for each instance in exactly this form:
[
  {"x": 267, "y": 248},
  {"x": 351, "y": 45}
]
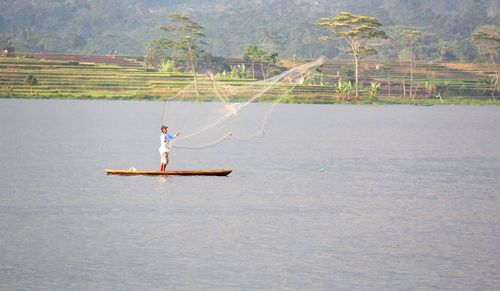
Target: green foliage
[
  {"x": 428, "y": 45},
  {"x": 113, "y": 82},
  {"x": 184, "y": 40},
  {"x": 236, "y": 72},
  {"x": 31, "y": 80},
  {"x": 347, "y": 74},
  {"x": 487, "y": 39},
  {"x": 345, "y": 90},
  {"x": 374, "y": 89},
  {"x": 213, "y": 63},
  {"x": 168, "y": 66},
  {"x": 273, "y": 71},
  {"x": 255, "y": 54},
  {"x": 496, "y": 84},
  {"x": 313, "y": 79},
  {"x": 96, "y": 26},
  {"x": 155, "y": 54},
  {"x": 356, "y": 31},
  {"x": 7, "y": 91},
  {"x": 409, "y": 37}
]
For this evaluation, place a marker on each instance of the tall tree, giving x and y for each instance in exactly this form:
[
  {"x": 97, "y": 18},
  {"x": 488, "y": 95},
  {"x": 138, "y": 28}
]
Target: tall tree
[
  {"x": 185, "y": 40},
  {"x": 155, "y": 54},
  {"x": 271, "y": 59},
  {"x": 253, "y": 54},
  {"x": 487, "y": 39},
  {"x": 409, "y": 36},
  {"x": 356, "y": 31}
]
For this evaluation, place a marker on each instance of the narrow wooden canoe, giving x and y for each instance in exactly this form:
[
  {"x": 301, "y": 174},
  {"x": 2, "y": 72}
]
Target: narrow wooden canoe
[{"x": 213, "y": 172}]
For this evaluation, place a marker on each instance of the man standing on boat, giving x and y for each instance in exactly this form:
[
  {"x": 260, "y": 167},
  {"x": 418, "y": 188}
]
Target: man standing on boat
[{"x": 166, "y": 141}]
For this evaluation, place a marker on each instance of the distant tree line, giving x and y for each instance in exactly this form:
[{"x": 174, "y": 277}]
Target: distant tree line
[{"x": 287, "y": 27}]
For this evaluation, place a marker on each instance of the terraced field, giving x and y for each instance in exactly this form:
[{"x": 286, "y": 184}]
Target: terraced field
[
  {"x": 98, "y": 59},
  {"x": 70, "y": 79},
  {"x": 71, "y": 76},
  {"x": 450, "y": 80},
  {"x": 83, "y": 80}
]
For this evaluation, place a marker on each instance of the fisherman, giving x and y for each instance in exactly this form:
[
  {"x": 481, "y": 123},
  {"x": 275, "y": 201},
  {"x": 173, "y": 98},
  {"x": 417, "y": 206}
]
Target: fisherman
[{"x": 166, "y": 141}]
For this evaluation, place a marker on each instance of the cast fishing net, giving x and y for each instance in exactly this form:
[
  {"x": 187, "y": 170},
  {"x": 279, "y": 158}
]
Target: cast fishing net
[{"x": 237, "y": 110}]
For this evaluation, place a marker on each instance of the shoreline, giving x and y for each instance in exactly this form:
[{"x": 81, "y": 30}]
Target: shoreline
[{"x": 377, "y": 101}]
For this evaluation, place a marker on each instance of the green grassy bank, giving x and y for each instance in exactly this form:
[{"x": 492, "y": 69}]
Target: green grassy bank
[{"x": 457, "y": 84}]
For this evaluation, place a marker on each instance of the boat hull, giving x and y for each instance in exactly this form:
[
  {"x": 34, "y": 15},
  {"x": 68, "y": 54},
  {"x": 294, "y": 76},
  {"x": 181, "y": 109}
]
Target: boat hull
[{"x": 212, "y": 172}]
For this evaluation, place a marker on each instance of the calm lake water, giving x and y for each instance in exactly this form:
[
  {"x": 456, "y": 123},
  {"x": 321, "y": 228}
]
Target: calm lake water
[{"x": 333, "y": 197}]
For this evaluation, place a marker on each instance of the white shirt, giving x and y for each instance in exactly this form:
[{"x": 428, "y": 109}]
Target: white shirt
[{"x": 166, "y": 142}]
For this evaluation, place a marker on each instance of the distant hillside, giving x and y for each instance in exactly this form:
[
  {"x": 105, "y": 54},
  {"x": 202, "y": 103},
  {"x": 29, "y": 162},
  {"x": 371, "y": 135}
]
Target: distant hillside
[{"x": 287, "y": 26}]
